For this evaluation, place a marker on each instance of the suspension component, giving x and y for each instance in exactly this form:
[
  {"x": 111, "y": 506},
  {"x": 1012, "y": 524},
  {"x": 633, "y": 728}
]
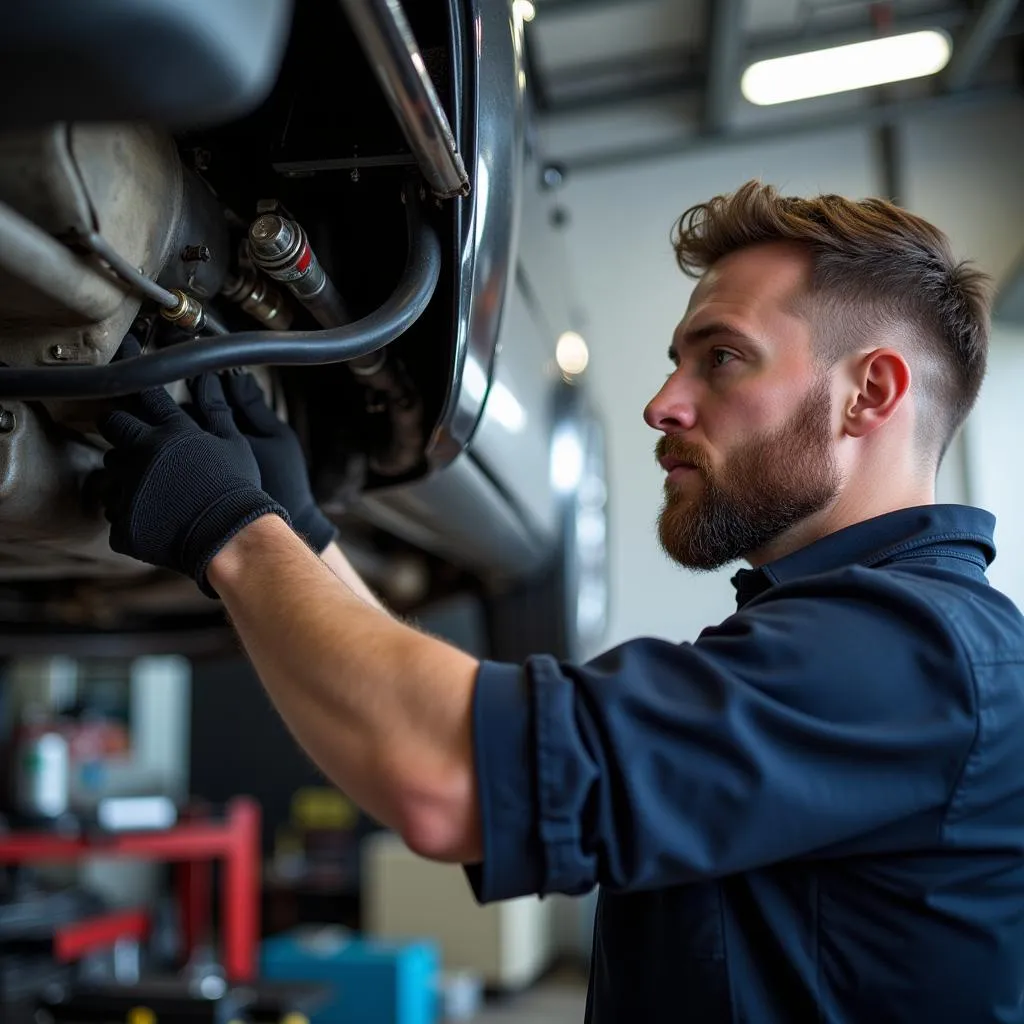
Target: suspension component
[{"x": 280, "y": 248}]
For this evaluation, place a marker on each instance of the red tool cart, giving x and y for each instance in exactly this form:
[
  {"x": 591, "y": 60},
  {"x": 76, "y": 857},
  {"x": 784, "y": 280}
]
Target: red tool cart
[{"x": 193, "y": 846}]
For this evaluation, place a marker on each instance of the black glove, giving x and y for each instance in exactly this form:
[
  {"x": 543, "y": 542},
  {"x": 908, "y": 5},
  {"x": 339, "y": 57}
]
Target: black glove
[
  {"x": 279, "y": 454},
  {"x": 183, "y": 488}
]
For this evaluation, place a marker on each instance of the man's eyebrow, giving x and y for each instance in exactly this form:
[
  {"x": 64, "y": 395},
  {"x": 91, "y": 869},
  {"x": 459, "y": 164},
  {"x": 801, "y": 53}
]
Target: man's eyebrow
[{"x": 712, "y": 330}]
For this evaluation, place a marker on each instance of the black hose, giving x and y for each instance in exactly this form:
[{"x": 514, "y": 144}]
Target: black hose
[{"x": 249, "y": 348}]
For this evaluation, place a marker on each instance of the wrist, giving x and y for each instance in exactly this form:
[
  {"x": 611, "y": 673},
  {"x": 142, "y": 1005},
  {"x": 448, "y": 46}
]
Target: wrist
[
  {"x": 230, "y": 561},
  {"x": 314, "y": 526}
]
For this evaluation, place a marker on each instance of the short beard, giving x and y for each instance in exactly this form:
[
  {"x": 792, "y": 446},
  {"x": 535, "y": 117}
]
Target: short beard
[{"x": 769, "y": 486}]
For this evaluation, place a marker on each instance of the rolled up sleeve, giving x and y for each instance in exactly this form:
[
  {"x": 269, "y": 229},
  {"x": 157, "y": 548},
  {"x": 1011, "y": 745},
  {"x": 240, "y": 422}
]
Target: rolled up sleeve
[
  {"x": 503, "y": 752},
  {"x": 837, "y": 714}
]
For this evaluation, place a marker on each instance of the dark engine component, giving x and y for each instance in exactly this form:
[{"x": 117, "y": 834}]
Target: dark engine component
[
  {"x": 179, "y": 62},
  {"x": 124, "y": 183}
]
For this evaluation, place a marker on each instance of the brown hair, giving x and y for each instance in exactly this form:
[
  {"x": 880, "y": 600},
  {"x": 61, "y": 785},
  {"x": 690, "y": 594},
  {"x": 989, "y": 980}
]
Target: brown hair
[{"x": 875, "y": 267}]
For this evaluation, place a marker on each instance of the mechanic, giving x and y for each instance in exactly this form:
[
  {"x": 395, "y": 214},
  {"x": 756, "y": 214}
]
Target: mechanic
[{"x": 815, "y": 812}]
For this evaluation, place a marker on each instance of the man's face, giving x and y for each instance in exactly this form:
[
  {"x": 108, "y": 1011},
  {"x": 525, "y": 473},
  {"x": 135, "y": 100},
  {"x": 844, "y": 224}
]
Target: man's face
[{"x": 746, "y": 416}]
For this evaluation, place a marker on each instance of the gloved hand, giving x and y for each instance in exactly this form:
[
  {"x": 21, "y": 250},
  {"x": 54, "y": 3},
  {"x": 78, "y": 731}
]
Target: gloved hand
[
  {"x": 183, "y": 486},
  {"x": 279, "y": 454}
]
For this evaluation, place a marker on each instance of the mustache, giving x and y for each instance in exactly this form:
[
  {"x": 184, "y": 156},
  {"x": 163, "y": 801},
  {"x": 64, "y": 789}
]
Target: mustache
[{"x": 682, "y": 451}]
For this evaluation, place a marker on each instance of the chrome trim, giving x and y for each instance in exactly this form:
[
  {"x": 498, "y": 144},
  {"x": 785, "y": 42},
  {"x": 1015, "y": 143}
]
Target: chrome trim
[
  {"x": 389, "y": 45},
  {"x": 489, "y": 97}
]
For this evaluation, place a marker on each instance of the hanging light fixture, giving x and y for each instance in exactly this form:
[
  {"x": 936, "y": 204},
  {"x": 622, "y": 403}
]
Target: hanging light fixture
[{"x": 802, "y": 76}]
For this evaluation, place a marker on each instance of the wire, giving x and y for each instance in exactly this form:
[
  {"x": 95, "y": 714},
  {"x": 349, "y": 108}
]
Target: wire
[
  {"x": 250, "y": 348},
  {"x": 131, "y": 276}
]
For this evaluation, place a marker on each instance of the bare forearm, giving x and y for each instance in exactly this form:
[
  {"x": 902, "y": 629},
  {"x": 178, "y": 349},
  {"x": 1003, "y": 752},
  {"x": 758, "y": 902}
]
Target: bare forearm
[
  {"x": 384, "y": 710},
  {"x": 334, "y": 558}
]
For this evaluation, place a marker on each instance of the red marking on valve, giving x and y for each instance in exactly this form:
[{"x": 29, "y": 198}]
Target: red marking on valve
[{"x": 304, "y": 260}]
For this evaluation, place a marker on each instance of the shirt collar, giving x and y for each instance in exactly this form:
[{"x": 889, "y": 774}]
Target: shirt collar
[{"x": 875, "y": 541}]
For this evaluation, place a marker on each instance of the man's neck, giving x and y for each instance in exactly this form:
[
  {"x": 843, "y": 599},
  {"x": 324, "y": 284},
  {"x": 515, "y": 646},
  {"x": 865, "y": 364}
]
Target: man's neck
[{"x": 848, "y": 510}]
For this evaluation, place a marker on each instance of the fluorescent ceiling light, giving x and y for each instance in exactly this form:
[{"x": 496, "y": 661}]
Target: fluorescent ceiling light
[
  {"x": 524, "y": 9},
  {"x": 842, "y": 68}
]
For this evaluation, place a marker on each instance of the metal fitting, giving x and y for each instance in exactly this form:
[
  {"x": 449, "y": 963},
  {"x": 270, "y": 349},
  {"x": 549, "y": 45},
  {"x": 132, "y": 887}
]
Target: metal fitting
[
  {"x": 188, "y": 314},
  {"x": 8, "y": 421},
  {"x": 280, "y": 249},
  {"x": 259, "y": 298}
]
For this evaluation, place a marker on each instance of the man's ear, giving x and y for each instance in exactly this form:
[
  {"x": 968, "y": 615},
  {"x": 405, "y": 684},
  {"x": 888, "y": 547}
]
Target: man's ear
[{"x": 881, "y": 380}]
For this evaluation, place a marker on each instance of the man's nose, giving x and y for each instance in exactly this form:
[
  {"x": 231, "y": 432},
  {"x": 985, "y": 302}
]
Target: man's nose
[{"x": 672, "y": 409}]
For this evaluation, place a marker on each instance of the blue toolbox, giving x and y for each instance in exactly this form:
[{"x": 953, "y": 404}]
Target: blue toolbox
[{"x": 374, "y": 981}]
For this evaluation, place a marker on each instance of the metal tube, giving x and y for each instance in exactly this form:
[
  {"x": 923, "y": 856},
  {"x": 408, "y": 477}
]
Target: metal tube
[
  {"x": 724, "y": 46},
  {"x": 977, "y": 41},
  {"x": 280, "y": 248},
  {"x": 249, "y": 348},
  {"x": 132, "y": 276},
  {"x": 213, "y": 325},
  {"x": 31, "y": 255},
  {"x": 388, "y": 41}
]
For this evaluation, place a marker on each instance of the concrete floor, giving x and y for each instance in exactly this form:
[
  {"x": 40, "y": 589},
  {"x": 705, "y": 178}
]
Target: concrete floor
[{"x": 559, "y": 998}]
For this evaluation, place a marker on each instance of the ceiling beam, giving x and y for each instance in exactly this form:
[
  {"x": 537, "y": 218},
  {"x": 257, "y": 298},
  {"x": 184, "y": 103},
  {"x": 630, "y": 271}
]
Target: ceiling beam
[
  {"x": 855, "y": 30},
  {"x": 678, "y": 83},
  {"x": 724, "y": 48},
  {"x": 645, "y": 64},
  {"x": 683, "y": 69},
  {"x": 975, "y": 44},
  {"x": 868, "y": 116},
  {"x": 546, "y": 8}
]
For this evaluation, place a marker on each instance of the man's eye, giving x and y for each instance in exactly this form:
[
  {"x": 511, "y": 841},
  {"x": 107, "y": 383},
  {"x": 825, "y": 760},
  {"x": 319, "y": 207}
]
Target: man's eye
[{"x": 721, "y": 356}]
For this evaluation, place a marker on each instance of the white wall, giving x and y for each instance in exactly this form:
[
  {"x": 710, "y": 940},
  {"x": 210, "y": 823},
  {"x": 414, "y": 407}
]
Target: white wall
[
  {"x": 965, "y": 174},
  {"x": 995, "y": 442}
]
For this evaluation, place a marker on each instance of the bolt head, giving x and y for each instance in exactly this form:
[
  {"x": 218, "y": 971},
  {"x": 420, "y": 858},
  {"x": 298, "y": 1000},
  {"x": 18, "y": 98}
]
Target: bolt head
[
  {"x": 196, "y": 254},
  {"x": 271, "y": 236},
  {"x": 267, "y": 227}
]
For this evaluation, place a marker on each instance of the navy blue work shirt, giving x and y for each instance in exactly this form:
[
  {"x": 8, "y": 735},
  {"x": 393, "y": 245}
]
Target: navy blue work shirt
[{"x": 813, "y": 813}]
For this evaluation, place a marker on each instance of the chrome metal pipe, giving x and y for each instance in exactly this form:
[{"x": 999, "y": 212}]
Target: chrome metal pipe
[
  {"x": 49, "y": 267},
  {"x": 384, "y": 33}
]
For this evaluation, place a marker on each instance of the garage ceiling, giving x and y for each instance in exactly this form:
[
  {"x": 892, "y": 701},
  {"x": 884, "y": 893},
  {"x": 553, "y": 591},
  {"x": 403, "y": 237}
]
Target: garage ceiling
[{"x": 587, "y": 55}]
